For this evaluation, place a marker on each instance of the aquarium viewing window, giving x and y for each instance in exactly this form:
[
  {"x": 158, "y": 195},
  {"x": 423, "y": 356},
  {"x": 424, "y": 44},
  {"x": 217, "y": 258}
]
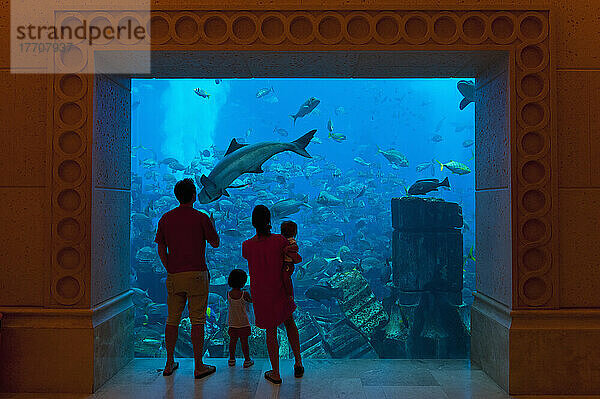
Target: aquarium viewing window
[{"x": 383, "y": 194}]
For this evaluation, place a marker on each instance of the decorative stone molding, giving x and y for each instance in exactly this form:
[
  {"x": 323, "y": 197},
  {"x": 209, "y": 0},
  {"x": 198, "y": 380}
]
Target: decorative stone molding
[
  {"x": 70, "y": 189},
  {"x": 524, "y": 34}
]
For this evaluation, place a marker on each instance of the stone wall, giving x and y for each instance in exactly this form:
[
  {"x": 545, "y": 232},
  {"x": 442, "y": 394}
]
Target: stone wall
[{"x": 551, "y": 351}]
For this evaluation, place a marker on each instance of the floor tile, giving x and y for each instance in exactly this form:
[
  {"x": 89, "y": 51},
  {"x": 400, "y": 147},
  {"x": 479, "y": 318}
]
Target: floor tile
[
  {"x": 324, "y": 378},
  {"x": 414, "y": 392}
]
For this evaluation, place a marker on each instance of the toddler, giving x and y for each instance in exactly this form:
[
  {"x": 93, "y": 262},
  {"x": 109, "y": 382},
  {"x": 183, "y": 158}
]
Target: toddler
[
  {"x": 239, "y": 325},
  {"x": 289, "y": 230}
]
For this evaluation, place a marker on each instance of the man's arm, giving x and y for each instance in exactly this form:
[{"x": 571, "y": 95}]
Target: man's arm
[
  {"x": 212, "y": 237},
  {"x": 162, "y": 252}
]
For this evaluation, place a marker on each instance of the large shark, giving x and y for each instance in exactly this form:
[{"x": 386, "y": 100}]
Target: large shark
[
  {"x": 467, "y": 89},
  {"x": 244, "y": 158}
]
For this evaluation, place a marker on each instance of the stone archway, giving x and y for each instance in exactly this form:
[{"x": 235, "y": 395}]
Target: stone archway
[{"x": 516, "y": 154}]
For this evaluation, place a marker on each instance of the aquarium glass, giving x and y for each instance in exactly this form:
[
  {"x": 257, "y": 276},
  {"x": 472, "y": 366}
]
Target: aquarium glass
[{"x": 374, "y": 139}]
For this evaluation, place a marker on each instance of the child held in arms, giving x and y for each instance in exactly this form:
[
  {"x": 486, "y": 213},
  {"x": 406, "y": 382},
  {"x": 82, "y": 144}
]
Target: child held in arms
[
  {"x": 239, "y": 324},
  {"x": 289, "y": 230}
]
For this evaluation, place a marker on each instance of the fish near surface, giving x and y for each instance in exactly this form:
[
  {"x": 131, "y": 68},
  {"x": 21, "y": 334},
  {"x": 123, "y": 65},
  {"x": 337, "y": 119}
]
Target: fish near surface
[
  {"x": 263, "y": 92},
  {"x": 201, "y": 93},
  {"x": 455, "y": 167},
  {"x": 424, "y": 186},
  {"x": 244, "y": 158},
  {"x": 467, "y": 89},
  {"x": 306, "y": 108}
]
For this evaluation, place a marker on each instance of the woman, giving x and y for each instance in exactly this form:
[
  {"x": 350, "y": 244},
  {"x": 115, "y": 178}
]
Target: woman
[{"x": 265, "y": 253}]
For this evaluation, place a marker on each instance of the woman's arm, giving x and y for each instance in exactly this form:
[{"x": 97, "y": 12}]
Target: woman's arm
[{"x": 292, "y": 252}]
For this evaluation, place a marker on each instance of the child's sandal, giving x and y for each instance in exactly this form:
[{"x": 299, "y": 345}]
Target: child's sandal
[
  {"x": 248, "y": 363},
  {"x": 231, "y": 362}
]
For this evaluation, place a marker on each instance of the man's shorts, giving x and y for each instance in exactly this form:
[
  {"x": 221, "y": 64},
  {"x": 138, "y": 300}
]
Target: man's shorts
[{"x": 191, "y": 287}]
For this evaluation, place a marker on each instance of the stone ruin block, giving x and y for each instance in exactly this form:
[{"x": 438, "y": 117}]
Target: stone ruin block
[
  {"x": 361, "y": 307},
  {"x": 413, "y": 213},
  {"x": 426, "y": 248},
  {"x": 428, "y": 261}
]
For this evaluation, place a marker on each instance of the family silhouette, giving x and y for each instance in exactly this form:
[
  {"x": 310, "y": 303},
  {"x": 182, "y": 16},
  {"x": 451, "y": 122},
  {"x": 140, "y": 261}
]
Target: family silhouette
[{"x": 181, "y": 236}]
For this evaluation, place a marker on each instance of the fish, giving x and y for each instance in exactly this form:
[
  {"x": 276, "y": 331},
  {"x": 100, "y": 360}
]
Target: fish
[
  {"x": 217, "y": 81},
  {"x": 167, "y": 161},
  {"x": 148, "y": 163},
  {"x": 325, "y": 198},
  {"x": 264, "y": 91},
  {"x": 361, "y": 193},
  {"x": 439, "y": 124},
  {"x": 469, "y": 256},
  {"x": 423, "y": 166},
  {"x": 243, "y": 158},
  {"x": 306, "y": 108},
  {"x": 361, "y": 161},
  {"x": 287, "y": 207},
  {"x": 395, "y": 157},
  {"x": 467, "y": 89},
  {"x": 424, "y": 186},
  {"x": 467, "y": 143},
  {"x": 340, "y": 111},
  {"x": 232, "y": 233},
  {"x": 330, "y": 125},
  {"x": 321, "y": 292},
  {"x": 437, "y": 138},
  {"x": 201, "y": 93},
  {"x": 337, "y": 137},
  {"x": 360, "y": 223},
  {"x": 281, "y": 132},
  {"x": 175, "y": 165},
  {"x": 455, "y": 167}
]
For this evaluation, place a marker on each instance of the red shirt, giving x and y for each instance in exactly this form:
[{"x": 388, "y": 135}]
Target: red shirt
[
  {"x": 185, "y": 230},
  {"x": 265, "y": 255}
]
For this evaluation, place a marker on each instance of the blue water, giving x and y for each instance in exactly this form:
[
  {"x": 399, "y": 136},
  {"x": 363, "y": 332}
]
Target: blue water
[{"x": 169, "y": 120}]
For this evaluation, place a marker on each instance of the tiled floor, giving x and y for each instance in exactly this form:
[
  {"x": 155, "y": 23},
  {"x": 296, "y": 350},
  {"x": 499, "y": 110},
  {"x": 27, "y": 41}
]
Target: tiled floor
[{"x": 328, "y": 379}]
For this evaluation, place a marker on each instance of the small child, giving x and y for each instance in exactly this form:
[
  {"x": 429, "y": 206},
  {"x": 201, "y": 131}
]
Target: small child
[
  {"x": 289, "y": 230},
  {"x": 239, "y": 325}
]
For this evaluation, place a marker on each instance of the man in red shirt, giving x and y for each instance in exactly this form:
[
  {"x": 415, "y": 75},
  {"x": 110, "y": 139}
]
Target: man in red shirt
[{"x": 181, "y": 237}]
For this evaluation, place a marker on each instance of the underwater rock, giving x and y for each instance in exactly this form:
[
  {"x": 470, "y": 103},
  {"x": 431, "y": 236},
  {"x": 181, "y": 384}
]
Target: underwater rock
[{"x": 358, "y": 303}]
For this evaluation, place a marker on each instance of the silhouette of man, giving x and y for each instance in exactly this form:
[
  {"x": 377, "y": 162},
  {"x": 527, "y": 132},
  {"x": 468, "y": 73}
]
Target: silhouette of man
[{"x": 181, "y": 237}]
